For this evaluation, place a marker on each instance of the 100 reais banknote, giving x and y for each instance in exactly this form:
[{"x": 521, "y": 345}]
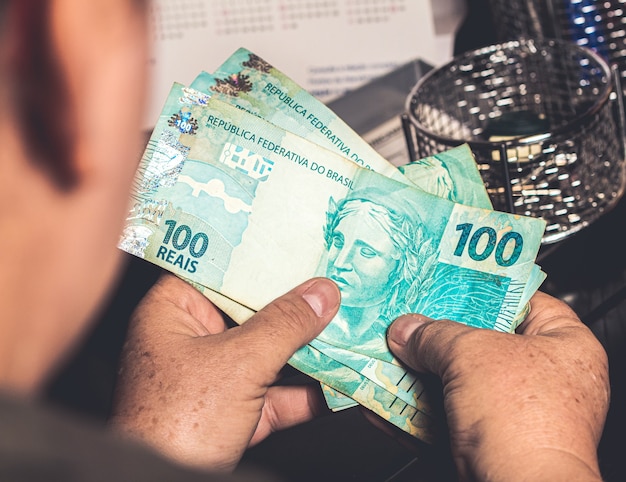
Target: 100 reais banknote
[{"x": 248, "y": 210}]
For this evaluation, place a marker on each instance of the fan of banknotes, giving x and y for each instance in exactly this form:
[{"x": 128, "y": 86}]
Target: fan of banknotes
[{"x": 250, "y": 186}]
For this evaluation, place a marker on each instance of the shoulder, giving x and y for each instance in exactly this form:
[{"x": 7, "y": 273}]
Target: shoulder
[{"x": 38, "y": 443}]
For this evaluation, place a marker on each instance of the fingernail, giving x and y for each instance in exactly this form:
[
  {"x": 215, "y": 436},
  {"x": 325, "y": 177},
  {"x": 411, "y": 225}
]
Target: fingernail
[
  {"x": 322, "y": 296},
  {"x": 401, "y": 330}
]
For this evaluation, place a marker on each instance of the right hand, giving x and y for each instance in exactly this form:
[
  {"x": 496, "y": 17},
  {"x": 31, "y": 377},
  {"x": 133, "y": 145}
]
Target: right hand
[
  {"x": 201, "y": 393},
  {"x": 526, "y": 406}
]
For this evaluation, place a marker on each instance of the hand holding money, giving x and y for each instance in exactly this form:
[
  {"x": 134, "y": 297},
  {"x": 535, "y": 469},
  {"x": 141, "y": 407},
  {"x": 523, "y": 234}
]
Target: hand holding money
[
  {"x": 485, "y": 374},
  {"x": 245, "y": 210},
  {"x": 173, "y": 393}
]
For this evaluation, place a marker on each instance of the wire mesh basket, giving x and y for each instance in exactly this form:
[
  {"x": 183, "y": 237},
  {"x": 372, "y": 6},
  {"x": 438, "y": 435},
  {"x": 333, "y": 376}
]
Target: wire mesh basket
[
  {"x": 550, "y": 109},
  {"x": 599, "y": 25}
]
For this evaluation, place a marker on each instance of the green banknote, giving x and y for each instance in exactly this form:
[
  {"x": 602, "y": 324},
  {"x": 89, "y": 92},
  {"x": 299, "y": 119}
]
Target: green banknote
[
  {"x": 252, "y": 200},
  {"x": 392, "y": 377},
  {"x": 251, "y": 83},
  {"x": 167, "y": 154},
  {"x": 417, "y": 421},
  {"x": 454, "y": 175},
  {"x": 167, "y": 167}
]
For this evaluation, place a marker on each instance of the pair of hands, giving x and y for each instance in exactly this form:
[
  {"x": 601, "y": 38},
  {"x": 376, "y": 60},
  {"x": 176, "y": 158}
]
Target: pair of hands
[{"x": 532, "y": 403}]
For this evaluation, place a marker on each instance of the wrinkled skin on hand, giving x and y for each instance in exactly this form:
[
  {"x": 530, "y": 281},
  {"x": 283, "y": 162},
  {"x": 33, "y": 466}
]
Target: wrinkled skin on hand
[
  {"x": 525, "y": 406},
  {"x": 201, "y": 393}
]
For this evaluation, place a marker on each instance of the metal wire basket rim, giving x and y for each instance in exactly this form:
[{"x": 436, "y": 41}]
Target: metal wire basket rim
[{"x": 523, "y": 139}]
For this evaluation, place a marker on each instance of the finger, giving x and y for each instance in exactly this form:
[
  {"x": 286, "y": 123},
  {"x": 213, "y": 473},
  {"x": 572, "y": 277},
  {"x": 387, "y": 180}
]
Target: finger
[
  {"x": 178, "y": 299},
  {"x": 547, "y": 314},
  {"x": 422, "y": 343},
  {"x": 288, "y": 406},
  {"x": 288, "y": 323}
]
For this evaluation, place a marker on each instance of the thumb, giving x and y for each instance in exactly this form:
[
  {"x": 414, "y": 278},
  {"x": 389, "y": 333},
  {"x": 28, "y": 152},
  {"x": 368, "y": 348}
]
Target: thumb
[
  {"x": 290, "y": 322},
  {"x": 422, "y": 343}
]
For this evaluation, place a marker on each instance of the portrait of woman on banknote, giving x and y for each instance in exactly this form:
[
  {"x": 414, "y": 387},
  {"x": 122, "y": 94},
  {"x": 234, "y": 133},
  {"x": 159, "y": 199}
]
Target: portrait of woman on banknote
[{"x": 380, "y": 257}]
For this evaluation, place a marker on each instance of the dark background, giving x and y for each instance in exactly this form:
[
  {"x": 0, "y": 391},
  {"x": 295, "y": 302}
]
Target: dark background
[{"x": 587, "y": 270}]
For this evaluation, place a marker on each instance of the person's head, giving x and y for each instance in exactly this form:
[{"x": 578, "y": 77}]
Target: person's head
[
  {"x": 72, "y": 83},
  {"x": 376, "y": 250}
]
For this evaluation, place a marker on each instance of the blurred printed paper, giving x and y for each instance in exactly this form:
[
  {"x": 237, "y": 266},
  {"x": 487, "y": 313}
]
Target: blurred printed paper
[{"x": 328, "y": 47}]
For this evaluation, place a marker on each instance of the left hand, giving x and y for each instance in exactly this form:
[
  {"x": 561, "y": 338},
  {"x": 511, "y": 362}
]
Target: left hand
[
  {"x": 201, "y": 393},
  {"x": 524, "y": 406}
]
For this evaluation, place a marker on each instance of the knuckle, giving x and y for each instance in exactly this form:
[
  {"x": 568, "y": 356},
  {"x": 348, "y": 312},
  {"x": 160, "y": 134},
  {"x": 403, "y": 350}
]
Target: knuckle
[
  {"x": 290, "y": 314},
  {"x": 440, "y": 342}
]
